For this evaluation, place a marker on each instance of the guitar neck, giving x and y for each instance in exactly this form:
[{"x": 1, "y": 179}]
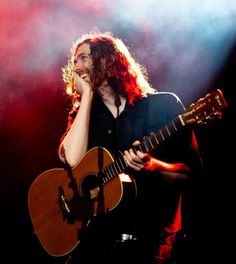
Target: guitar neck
[
  {"x": 148, "y": 144},
  {"x": 201, "y": 111},
  {"x": 151, "y": 142}
]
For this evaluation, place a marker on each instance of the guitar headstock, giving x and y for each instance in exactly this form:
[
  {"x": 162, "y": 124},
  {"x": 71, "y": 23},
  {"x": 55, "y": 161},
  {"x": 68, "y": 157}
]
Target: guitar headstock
[{"x": 205, "y": 108}]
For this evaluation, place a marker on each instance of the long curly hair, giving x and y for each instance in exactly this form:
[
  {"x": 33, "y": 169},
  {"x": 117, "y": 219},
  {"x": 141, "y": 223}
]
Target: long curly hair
[{"x": 112, "y": 61}]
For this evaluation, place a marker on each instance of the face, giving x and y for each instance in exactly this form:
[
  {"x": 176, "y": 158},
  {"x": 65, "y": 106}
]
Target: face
[{"x": 83, "y": 60}]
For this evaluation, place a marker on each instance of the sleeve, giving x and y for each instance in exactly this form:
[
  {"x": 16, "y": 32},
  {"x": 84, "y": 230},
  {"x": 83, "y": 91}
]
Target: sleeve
[{"x": 182, "y": 146}]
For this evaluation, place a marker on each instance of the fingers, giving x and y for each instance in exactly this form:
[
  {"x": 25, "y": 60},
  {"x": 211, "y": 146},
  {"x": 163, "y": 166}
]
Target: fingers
[
  {"x": 85, "y": 77},
  {"x": 136, "y": 143},
  {"x": 134, "y": 160},
  {"x": 82, "y": 82}
]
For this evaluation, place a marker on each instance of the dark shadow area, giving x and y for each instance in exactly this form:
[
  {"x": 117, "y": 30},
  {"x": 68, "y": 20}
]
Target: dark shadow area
[{"x": 212, "y": 221}]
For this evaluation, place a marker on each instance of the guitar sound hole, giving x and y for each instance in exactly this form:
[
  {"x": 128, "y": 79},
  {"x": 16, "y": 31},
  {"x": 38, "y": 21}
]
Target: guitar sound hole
[{"x": 89, "y": 183}]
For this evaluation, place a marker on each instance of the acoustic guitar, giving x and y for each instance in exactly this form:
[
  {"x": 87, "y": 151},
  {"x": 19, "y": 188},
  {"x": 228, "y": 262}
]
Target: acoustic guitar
[{"x": 62, "y": 201}]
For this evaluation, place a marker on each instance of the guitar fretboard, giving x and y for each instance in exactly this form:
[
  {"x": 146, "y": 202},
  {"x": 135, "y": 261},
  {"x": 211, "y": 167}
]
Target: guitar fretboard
[{"x": 148, "y": 144}]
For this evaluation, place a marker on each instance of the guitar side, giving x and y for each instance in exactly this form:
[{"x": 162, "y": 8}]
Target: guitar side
[{"x": 59, "y": 207}]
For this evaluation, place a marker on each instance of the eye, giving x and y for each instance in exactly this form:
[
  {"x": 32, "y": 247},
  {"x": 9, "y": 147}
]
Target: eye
[{"x": 84, "y": 57}]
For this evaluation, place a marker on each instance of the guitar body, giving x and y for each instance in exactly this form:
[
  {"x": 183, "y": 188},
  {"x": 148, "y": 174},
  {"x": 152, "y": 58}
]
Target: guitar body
[{"x": 61, "y": 205}]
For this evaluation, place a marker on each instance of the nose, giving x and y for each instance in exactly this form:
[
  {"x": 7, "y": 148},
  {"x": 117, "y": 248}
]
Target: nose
[{"x": 78, "y": 66}]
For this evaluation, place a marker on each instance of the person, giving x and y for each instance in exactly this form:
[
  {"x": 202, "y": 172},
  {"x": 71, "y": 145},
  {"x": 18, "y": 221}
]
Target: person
[{"x": 114, "y": 107}]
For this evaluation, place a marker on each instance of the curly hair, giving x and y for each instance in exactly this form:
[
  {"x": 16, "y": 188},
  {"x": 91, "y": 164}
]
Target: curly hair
[{"x": 112, "y": 61}]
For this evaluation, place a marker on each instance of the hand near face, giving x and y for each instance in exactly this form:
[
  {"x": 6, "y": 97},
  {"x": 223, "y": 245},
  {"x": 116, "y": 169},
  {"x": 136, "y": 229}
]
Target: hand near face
[{"x": 82, "y": 83}]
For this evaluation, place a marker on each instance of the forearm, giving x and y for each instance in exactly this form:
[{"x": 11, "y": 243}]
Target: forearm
[
  {"x": 171, "y": 172},
  {"x": 75, "y": 143}
]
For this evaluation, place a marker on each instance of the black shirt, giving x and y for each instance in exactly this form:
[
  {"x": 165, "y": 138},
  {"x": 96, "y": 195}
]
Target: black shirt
[{"x": 157, "y": 205}]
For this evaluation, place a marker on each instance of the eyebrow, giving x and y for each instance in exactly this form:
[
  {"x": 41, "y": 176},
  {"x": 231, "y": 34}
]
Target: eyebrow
[{"x": 81, "y": 54}]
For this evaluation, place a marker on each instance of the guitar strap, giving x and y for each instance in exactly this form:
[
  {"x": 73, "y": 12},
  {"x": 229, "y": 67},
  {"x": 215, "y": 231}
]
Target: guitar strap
[{"x": 117, "y": 103}]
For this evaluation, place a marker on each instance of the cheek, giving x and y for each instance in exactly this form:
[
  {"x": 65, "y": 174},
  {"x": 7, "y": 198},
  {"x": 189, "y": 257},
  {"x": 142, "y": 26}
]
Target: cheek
[
  {"x": 78, "y": 65},
  {"x": 89, "y": 65}
]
